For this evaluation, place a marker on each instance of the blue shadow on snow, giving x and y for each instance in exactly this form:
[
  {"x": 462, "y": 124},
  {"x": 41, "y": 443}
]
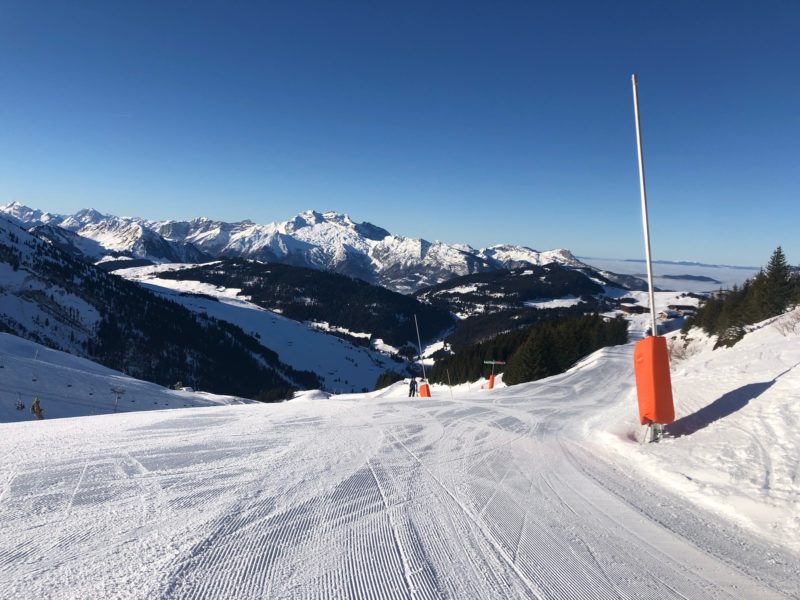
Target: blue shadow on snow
[{"x": 725, "y": 405}]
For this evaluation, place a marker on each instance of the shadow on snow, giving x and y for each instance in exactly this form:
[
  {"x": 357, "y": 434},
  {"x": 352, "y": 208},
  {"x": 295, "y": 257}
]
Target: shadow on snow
[{"x": 725, "y": 405}]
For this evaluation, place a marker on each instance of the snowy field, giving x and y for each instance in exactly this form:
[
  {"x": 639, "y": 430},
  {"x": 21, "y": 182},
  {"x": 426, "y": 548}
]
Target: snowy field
[
  {"x": 538, "y": 490},
  {"x": 70, "y": 386}
]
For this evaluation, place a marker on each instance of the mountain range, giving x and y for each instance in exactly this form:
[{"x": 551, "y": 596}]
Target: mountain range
[
  {"x": 327, "y": 241},
  {"x": 50, "y": 297}
]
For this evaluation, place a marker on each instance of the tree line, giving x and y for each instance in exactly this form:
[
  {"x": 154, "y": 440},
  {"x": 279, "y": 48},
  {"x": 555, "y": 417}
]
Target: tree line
[
  {"x": 727, "y": 313},
  {"x": 146, "y": 335},
  {"x": 544, "y": 349},
  {"x": 305, "y": 294}
]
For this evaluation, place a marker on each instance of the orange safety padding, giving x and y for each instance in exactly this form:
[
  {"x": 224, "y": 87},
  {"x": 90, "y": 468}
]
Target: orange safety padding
[
  {"x": 653, "y": 384},
  {"x": 424, "y": 390},
  {"x": 491, "y": 381}
]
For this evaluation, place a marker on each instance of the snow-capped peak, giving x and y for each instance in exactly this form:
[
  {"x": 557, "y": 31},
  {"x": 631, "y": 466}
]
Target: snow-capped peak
[
  {"x": 306, "y": 218},
  {"x": 26, "y": 215},
  {"x": 82, "y": 218},
  {"x": 321, "y": 240}
]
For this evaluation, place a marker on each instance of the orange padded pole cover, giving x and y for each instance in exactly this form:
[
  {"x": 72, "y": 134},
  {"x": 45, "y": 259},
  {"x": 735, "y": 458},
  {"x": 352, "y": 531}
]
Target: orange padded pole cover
[
  {"x": 491, "y": 381},
  {"x": 424, "y": 390},
  {"x": 653, "y": 384}
]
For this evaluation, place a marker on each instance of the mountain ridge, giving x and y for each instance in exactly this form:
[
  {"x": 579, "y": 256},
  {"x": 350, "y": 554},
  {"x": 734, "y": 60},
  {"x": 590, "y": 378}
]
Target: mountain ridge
[{"x": 321, "y": 240}]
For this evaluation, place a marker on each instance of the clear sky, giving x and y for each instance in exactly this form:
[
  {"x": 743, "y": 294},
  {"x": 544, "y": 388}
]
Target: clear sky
[{"x": 481, "y": 123}]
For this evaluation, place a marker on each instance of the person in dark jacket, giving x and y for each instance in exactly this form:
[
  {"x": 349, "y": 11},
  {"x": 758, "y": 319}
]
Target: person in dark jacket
[{"x": 412, "y": 387}]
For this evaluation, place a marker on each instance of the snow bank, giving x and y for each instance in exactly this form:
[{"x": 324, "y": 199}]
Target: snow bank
[{"x": 735, "y": 445}]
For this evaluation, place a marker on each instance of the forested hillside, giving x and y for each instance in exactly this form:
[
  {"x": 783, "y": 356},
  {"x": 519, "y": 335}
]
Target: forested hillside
[
  {"x": 509, "y": 299},
  {"x": 51, "y": 297},
  {"x": 534, "y": 352},
  {"x": 311, "y": 295},
  {"x": 505, "y": 289},
  {"x": 768, "y": 294}
]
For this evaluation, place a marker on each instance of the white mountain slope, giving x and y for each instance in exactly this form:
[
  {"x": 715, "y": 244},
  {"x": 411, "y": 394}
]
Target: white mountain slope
[
  {"x": 105, "y": 235},
  {"x": 329, "y": 241},
  {"x": 342, "y": 366},
  {"x": 44, "y": 298},
  {"x": 69, "y": 386},
  {"x": 531, "y": 491},
  {"x": 35, "y": 306}
]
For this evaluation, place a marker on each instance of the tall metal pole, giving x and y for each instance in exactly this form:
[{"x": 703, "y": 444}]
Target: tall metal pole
[
  {"x": 645, "y": 222},
  {"x": 419, "y": 343},
  {"x": 449, "y": 384}
]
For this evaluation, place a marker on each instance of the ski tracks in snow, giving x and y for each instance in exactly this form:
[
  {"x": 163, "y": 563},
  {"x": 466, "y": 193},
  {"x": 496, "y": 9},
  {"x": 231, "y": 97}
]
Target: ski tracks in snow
[{"x": 381, "y": 498}]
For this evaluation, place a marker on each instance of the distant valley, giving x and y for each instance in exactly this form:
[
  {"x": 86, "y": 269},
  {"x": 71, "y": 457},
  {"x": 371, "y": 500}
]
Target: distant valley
[{"x": 256, "y": 311}]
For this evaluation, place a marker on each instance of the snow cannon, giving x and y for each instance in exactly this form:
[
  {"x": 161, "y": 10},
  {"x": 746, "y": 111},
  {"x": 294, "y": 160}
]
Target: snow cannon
[
  {"x": 653, "y": 383},
  {"x": 491, "y": 377},
  {"x": 424, "y": 390}
]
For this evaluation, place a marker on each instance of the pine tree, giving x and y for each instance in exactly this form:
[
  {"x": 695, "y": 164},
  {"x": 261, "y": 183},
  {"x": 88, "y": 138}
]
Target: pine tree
[
  {"x": 756, "y": 306},
  {"x": 778, "y": 288},
  {"x": 534, "y": 359}
]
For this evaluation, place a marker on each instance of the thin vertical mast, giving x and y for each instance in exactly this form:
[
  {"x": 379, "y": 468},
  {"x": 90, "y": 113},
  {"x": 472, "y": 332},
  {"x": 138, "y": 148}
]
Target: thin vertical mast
[
  {"x": 645, "y": 222},
  {"x": 419, "y": 342}
]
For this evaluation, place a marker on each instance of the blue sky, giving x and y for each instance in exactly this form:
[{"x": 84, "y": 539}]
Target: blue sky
[{"x": 482, "y": 123}]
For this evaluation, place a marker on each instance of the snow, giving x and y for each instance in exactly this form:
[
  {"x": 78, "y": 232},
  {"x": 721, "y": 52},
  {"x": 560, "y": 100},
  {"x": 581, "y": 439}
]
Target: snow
[
  {"x": 638, "y": 324},
  {"x": 739, "y": 454},
  {"x": 341, "y": 365},
  {"x": 321, "y": 240},
  {"x": 465, "y": 289},
  {"x": 431, "y": 349},
  {"x": 111, "y": 258},
  {"x": 325, "y": 326},
  {"x": 512, "y": 256},
  {"x": 25, "y": 301},
  {"x": 564, "y": 302},
  {"x": 536, "y": 490},
  {"x": 381, "y": 346},
  {"x": 69, "y": 386}
]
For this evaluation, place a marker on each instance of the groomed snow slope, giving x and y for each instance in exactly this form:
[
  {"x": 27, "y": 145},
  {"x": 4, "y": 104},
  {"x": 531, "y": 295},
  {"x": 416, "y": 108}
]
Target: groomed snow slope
[
  {"x": 735, "y": 445},
  {"x": 531, "y": 491},
  {"x": 70, "y": 386}
]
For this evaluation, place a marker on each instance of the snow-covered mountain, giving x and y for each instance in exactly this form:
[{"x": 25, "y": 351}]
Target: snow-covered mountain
[
  {"x": 328, "y": 241},
  {"x": 96, "y": 235},
  {"x": 50, "y": 297}
]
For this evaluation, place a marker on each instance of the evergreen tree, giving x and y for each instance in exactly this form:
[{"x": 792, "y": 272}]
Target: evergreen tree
[
  {"x": 778, "y": 288},
  {"x": 768, "y": 294},
  {"x": 387, "y": 378},
  {"x": 534, "y": 360},
  {"x": 539, "y": 351}
]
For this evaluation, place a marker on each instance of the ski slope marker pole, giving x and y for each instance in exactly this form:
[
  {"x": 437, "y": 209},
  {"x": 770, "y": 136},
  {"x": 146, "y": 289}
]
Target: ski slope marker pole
[
  {"x": 419, "y": 343},
  {"x": 645, "y": 221},
  {"x": 449, "y": 384}
]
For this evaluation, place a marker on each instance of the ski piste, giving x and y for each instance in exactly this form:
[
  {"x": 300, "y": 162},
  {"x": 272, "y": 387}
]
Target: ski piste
[{"x": 527, "y": 491}]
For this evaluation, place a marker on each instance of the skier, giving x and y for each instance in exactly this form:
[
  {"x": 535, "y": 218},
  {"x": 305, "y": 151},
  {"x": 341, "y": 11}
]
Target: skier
[
  {"x": 36, "y": 409},
  {"x": 412, "y": 387}
]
